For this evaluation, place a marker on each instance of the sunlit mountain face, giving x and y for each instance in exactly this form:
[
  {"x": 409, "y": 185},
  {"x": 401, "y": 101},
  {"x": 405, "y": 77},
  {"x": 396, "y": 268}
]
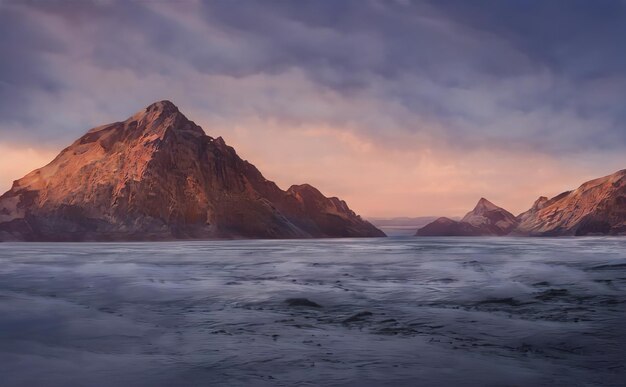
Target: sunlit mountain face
[
  {"x": 158, "y": 176},
  {"x": 402, "y": 108}
]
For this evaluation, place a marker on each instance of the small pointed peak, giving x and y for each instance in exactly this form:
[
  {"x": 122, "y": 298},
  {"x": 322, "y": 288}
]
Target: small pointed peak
[
  {"x": 484, "y": 203},
  {"x": 156, "y": 110},
  {"x": 483, "y": 206},
  {"x": 163, "y": 116},
  {"x": 164, "y": 106}
]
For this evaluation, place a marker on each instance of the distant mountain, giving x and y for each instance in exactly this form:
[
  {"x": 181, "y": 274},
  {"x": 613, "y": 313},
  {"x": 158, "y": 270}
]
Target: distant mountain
[
  {"x": 490, "y": 218},
  {"x": 402, "y": 226},
  {"x": 447, "y": 227},
  {"x": 598, "y": 207},
  {"x": 485, "y": 219},
  {"x": 156, "y": 176}
]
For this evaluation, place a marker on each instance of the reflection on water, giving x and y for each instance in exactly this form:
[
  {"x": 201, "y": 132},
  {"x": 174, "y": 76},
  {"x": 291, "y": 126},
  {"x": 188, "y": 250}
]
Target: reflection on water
[{"x": 395, "y": 311}]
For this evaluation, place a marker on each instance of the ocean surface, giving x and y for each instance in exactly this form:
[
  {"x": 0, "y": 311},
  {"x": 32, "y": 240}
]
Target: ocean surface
[{"x": 349, "y": 312}]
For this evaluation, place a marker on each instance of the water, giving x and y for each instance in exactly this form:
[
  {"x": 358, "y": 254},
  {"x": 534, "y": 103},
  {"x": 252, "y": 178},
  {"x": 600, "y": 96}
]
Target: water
[{"x": 395, "y": 311}]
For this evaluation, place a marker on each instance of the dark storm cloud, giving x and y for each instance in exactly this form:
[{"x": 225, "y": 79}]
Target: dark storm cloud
[
  {"x": 578, "y": 38},
  {"x": 23, "y": 67},
  {"x": 536, "y": 74}
]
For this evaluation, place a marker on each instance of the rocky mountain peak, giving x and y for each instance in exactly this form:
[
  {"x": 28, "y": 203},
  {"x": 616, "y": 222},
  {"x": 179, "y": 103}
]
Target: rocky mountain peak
[
  {"x": 164, "y": 106},
  {"x": 485, "y": 205},
  {"x": 162, "y": 116},
  {"x": 156, "y": 175},
  {"x": 487, "y": 214},
  {"x": 485, "y": 219}
]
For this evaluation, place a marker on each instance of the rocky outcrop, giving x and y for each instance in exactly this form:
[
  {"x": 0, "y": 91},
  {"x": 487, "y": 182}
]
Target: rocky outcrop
[
  {"x": 598, "y": 207},
  {"x": 485, "y": 219},
  {"x": 156, "y": 176}
]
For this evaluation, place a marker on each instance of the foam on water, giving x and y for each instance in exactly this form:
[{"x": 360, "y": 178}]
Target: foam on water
[{"x": 395, "y": 311}]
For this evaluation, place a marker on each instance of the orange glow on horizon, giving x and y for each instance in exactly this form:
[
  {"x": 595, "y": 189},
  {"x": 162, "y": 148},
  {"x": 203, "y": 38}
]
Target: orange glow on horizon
[{"x": 375, "y": 181}]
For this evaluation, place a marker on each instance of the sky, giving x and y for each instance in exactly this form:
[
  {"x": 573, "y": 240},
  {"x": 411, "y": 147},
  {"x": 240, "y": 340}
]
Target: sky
[{"x": 402, "y": 108}]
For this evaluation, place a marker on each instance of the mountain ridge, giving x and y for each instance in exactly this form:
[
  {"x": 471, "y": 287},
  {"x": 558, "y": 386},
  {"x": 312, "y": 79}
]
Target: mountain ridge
[{"x": 596, "y": 207}]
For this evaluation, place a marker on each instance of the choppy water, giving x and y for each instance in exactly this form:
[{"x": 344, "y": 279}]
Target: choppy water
[{"x": 396, "y": 311}]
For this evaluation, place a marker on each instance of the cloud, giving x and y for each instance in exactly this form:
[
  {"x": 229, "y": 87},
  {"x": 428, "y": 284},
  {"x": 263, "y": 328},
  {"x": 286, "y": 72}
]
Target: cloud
[{"x": 447, "y": 79}]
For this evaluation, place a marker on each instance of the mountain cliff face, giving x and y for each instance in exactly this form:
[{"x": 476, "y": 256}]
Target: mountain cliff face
[
  {"x": 157, "y": 175},
  {"x": 596, "y": 207},
  {"x": 485, "y": 219}
]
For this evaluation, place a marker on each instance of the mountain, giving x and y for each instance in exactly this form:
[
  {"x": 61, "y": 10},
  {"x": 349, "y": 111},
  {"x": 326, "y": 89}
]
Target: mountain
[
  {"x": 490, "y": 218},
  {"x": 447, "y": 227},
  {"x": 596, "y": 207},
  {"x": 157, "y": 176},
  {"x": 485, "y": 219}
]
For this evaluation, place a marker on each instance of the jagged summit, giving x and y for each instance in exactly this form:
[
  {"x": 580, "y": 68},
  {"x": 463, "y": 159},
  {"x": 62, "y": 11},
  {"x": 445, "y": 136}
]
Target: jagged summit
[
  {"x": 487, "y": 213},
  {"x": 149, "y": 124},
  {"x": 157, "y": 175},
  {"x": 157, "y": 111},
  {"x": 164, "y": 106},
  {"x": 485, "y": 205},
  {"x": 485, "y": 219}
]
